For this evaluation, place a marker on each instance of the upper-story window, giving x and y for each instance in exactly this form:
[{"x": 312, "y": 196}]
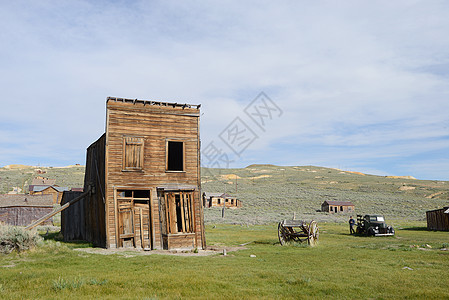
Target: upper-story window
[
  {"x": 132, "y": 153},
  {"x": 175, "y": 156}
]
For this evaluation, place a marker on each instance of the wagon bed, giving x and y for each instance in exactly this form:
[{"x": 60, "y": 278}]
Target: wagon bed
[{"x": 298, "y": 231}]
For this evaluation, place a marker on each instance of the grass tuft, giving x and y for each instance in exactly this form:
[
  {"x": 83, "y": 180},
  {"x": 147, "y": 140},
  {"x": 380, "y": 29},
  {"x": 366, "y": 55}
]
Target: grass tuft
[{"x": 63, "y": 284}]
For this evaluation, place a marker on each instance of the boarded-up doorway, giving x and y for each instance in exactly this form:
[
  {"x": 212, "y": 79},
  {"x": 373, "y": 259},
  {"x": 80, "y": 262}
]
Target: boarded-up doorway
[{"x": 134, "y": 218}]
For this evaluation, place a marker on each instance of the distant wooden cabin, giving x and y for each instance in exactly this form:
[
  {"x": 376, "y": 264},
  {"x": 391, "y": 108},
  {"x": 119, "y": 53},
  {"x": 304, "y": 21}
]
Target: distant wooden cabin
[
  {"x": 438, "y": 219},
  {"x": 218, "y": 199},
  {"x": 21, "y": 210},
  {"x": 54, "y": 190},
  {"x": 143, "y": 178},
  {"x": 337, "y": 207}
]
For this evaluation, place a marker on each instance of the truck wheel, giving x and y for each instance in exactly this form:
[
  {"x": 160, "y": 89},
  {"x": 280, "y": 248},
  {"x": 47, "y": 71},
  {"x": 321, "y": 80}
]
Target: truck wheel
[
  {"x": 391, "y": 230},
  {"x": 371, "y": 231}
]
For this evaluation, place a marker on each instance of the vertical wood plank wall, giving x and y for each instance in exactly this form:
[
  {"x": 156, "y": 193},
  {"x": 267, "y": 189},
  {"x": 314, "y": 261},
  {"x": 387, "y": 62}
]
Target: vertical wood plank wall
[
  {"x": 85, "y": 220},
  {"x": 437, "y": 219}
]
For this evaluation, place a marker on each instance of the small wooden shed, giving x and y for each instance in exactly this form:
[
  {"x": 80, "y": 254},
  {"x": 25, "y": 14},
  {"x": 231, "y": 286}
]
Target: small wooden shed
[
  {"x": 337, "y": 207},
  {"x": 438, "y": 219},
  {"x": 142, "y": 178},
  {"x": 220, "y": 199},
  {"x": 21, "y": 210}
]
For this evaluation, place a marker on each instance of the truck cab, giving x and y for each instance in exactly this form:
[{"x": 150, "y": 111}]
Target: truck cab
[{"x": 373, "y": 225}]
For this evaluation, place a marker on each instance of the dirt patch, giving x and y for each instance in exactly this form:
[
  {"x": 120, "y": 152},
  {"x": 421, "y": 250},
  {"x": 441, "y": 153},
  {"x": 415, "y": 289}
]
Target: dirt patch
[
  {"x": 17, "y": 167},
  {"x": 400, "y": 177},
  {"x": 406, "y": 188},
  {"x": 260, "y": 171},
  {"x": 357, "y": 173},
  {"x": 230, "y": 176},
  {"x": 260, "y": 176},
  {"x": 131, "y": 252},
  {"x": 434, "y": 195}
]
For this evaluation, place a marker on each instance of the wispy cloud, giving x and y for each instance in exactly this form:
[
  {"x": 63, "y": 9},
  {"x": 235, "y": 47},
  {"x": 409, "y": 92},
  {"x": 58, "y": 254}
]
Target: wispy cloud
[{"x": 361, "y": 84}]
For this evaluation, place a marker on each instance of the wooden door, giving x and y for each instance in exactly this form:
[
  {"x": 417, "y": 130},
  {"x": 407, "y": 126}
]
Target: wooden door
[
  {"x": 142, "y": 219},
  {"x": 134, "y": 227},
  {"x": 126, "y": 227}
]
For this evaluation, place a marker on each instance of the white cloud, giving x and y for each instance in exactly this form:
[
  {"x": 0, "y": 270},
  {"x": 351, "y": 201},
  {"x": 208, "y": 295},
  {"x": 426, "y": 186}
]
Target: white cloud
[{"x": 365, "y": 75}]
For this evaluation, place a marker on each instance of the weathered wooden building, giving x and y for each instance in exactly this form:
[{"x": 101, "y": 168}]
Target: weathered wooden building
[
  {"x": 220, "y": 199},
  {"x": 21, "y": 210},
  {"x": 438, "y": 219},
  {"x": 142, "y": 178},
  {"x": 53, "y": 190},
  {"x": 337, "y": 206}
]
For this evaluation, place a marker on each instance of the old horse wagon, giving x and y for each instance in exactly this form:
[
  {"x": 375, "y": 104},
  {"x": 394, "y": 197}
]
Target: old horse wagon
[{"x": 298, "y": 231}]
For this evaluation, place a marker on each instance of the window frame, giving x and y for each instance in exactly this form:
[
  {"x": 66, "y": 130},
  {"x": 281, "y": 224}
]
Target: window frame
[
  {"x": 167, "y": 141},
  {"x": 186, "y": 209},
  {"x": 126, "y": 142}
]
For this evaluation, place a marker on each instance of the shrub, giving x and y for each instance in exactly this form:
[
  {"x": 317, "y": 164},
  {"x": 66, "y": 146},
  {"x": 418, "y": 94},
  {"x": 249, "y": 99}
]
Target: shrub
[{"x": 18, "y": 239}]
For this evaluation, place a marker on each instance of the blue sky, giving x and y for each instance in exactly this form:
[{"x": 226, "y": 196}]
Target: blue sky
[{"x": 360, "y": 85}]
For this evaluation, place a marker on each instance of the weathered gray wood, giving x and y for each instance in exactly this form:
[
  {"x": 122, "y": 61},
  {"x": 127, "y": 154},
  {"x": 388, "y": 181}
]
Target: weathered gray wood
[{"x": 48, "y": 216}]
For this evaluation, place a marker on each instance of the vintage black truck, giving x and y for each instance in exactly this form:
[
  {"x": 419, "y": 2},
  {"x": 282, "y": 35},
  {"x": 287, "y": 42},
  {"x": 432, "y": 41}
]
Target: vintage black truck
[{"x": 373, "y": 225}]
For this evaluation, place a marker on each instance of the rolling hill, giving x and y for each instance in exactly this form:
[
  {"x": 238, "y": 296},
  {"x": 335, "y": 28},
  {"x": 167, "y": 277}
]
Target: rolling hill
[{"x": 272, "y": 193}]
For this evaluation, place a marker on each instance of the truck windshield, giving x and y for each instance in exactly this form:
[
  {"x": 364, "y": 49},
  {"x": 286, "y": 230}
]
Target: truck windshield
[{"x": 376, "y": 218}]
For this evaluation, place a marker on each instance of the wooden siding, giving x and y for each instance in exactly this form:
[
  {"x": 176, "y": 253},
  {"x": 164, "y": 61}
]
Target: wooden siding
[
  {"x": 86, "y": 219},
  {"x": 340, "y": 208},
  {"x": 111, "y": 220},
  {"x": 24, "y": 215},
  {"x": 73, "y": 226},
  {"x": 155, "y": 125},
  {"x": 437, "y": 219},
  {"x": 57, "y": 196},
  {"x": 179, "y": 241},
  {"x": 229, "y": 202}
]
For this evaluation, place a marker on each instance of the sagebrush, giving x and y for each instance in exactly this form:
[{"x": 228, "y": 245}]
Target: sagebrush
[{"x": 13, "y": 238}]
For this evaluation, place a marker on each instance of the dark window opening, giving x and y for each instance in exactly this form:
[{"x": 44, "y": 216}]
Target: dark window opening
[
  {"x": 341, "y": 208},
  {"x": 175, "y": 156},
  {"x": 178, "y": 212},
  {"x": 141, "y": 194},
  {"x": 218, "y": 201}
]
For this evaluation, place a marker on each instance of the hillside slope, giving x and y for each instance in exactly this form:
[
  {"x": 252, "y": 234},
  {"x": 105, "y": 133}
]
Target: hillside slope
[
  {"x": 272, "y": 193},
  {"x": 21, "y": 176}
]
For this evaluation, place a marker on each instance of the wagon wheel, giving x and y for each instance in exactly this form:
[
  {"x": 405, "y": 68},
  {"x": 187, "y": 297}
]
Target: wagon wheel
[
  {"x": 313, "y": 234},
  {"x": 283, "y": 234}
]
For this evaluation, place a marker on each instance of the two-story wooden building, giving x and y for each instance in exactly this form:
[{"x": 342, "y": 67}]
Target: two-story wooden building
[{"x": 143, "y": 175}]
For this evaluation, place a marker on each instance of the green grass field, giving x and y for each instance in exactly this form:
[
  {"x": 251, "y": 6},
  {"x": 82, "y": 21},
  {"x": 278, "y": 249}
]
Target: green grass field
[{"x": 341, "y": 266}]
